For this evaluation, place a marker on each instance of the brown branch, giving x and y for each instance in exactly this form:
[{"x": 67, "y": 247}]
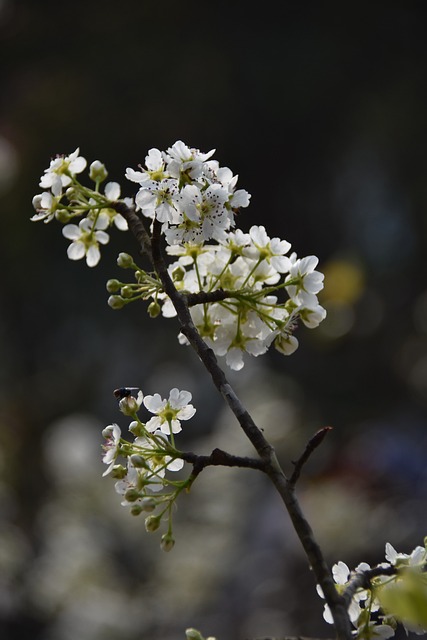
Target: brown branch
[
  {"x": 136, "y": 227},
  {"x": 209, "y": 296},
  {"x": 218, "y": 457},
  {"x": 312, "y": 444}
]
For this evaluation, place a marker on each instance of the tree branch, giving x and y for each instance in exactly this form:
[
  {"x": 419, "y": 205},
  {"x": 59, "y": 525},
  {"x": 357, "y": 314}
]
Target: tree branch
[
  {"x": 209, "y": 296},
  {"x": 264, "y": 449},
  {"x": 218, "y": 457},
  {"x": 136, "y": 227},
  {"x": 312, "y": 444}
]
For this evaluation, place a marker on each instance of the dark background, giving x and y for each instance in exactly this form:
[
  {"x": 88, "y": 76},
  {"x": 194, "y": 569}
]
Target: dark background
[{"x": 320, "y": 108}]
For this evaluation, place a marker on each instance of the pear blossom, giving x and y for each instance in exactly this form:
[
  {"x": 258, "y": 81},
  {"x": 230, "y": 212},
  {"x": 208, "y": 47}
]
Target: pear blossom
[
  {"x": 112, "y": 433},
  {"x": 272, "y": 250},
  {"x": 86, "y": 239},
  {"x": 417, "y": 557},
  {"x": 181, "y": 159},
  {"x": 108, "y": 216},
  {"x": 169, "y": 412},
  {"x": 62, "y": 169},
  {"x": 304, "y": 281},
  {"x": 156, "y": 200}
]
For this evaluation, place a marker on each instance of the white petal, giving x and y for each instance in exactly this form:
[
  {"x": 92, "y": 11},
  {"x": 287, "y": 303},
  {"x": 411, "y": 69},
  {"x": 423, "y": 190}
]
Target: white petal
[
  {"x": 112, "y": 190},
  {"x": 93, "y": 256},
  {"x": 76, "y": 251},
  {"x": 175, "y": 465},
  {"x": 102, "y": 237},
  {"x": 154, "y": 403},
  {"x": 71, "y": 231}
]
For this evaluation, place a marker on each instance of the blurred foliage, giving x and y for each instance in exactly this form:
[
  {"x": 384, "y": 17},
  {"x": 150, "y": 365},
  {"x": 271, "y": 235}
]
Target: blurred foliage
[{"x": 320, "y": 108}]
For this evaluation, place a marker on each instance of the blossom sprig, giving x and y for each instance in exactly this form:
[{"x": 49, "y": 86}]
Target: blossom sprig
[
  {"x": 143, "y": 482},
  {"x": 191, "y": 195},
  {"x": 66, "y": 198},
  {"x": 194, "y": 202},
  {"x": 255, "y": 271},
  {"x": 393, "y": 592}
]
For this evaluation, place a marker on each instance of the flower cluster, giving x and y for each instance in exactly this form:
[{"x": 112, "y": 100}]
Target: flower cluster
[
  {"x": 66, "y": 198},
  {"x": 249, "y": 269},
  {"x": 397, "y": 594},
  {"x": 149, "y": 456},
  {"x": 192, "y": 196},
  {"x": 256, "y": 293}
]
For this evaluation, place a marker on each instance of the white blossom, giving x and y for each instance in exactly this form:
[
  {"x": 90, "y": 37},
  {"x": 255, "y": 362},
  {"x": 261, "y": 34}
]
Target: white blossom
[
  {"x": 86, "y": 239},
  {"x": 170, "y": 412}
]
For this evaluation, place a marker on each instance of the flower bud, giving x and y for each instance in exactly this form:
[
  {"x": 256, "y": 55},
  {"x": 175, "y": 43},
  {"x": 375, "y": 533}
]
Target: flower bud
[
  {"x": 129, "y": 405},
  {"x": 125, "y": 261},
  {"x": 167, "y": 542},
  {"x": 113, "y": 286},
  {"x": 178, "y": 274},
  {"x": 127, "y": 291},
  {"x": 136, "y": 509},
  {"x": 148, "y": 504},
  {"x": 131, "y": 494},
  {"x": 138, "y": 461},
  {"x": 154, "y": 309},
  {"x": 152, "y": 523},
  {"x": 116, "y": 302},
  {"x": 97, "y": 171}
]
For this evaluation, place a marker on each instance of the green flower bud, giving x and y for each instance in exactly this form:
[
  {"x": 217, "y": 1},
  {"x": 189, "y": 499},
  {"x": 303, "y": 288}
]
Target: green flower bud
[
  {"x": 136, "y": 509},
  {"x": 127, "y": 291},
  {"x": 113, "y": 286},
  {"x": 131, "y": 495},
  {"x": 178, "y": 274},
  {"x": 138, "y": 461},
  {"x": 154, "y": 309},
  {"x": 167, "y": 542},
  {"x": 97, "y": 171},
  {"x": 125, "y": 261},
  {"x": 116, "y": 302},
  {"x": 152, "y": 523}
]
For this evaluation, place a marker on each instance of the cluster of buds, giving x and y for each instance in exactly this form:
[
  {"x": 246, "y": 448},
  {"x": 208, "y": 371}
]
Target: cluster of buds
[{"x": 142, "y": 482}]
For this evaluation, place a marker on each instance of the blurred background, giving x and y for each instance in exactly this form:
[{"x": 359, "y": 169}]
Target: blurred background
[{"x": 320, "y": 108}]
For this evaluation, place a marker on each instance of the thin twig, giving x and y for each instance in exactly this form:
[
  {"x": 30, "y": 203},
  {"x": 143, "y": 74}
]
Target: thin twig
[{"x": 312, "y": 444}]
